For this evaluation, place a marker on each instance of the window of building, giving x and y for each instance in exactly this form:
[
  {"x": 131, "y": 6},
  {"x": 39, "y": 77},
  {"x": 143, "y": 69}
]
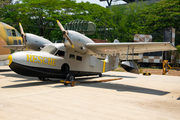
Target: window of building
[
  {"x": 79, "y": 58},
  {"x": 60, "y": 53},
  {"x": 153, "y": 54},
  {"x": 72, "y": 56}
]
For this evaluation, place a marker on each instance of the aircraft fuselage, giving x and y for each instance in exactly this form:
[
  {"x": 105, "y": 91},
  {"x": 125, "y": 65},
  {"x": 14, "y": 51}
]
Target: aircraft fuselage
[{"x": 56, "y": 63}]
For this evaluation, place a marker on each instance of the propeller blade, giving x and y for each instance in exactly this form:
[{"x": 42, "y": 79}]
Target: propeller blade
[
  {"x": 61, "y": 27},
  {"x": 69, "y": 40},
  {"x": 21, "y": 29},
  {"x": 23, "y": 35},
  {"x": 65, "y": 33}
]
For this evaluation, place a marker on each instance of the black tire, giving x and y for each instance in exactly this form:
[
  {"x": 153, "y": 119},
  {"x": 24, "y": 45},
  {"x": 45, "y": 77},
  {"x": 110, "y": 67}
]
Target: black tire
[
  {"x": 100, "y": 75},
  {"x": 71, "y": 78},
  {"x": 65, "y": 68},
  {"x": 42, "y": 78}
]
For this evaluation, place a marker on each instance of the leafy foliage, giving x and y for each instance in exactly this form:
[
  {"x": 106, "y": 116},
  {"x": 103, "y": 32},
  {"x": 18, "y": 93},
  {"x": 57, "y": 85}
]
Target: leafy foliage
[
  {"x": 163, "y": 14},
  {"x": 178, "y": 48}
]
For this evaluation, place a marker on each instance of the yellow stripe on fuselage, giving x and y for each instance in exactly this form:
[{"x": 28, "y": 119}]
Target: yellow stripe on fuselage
[{"x": 104, "y": 65}]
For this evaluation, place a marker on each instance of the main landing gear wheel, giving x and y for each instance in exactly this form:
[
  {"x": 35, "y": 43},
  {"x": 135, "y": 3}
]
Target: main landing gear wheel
[{"x": 70, "y": 78}]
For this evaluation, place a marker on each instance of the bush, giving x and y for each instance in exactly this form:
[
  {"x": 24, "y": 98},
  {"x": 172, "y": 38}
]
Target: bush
[{"x": 178, "y": 48}]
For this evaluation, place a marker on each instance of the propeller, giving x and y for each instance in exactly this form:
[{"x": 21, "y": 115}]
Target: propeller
[
  {"x": 23, "y": 35},
  {"x": 65, "y": 33}
]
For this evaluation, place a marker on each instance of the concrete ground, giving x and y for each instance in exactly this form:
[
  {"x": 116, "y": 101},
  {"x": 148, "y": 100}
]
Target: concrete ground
[{"x": 136, "y": 97}]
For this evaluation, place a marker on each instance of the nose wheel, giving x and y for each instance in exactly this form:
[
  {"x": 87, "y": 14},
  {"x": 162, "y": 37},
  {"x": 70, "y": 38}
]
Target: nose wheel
[{"x": 70, "y": 80}]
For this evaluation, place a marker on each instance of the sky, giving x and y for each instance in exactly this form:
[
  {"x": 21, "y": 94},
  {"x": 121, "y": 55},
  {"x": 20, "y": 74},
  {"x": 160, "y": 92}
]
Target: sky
[{"x": 104, "y": 3}]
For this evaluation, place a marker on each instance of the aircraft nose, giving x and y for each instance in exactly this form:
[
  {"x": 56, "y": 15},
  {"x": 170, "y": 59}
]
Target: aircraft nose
[{"x": 10, "y": 59}]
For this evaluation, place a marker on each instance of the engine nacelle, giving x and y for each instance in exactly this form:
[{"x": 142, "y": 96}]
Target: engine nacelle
[
  {"x": 35, "y": 42},
  {"x": 78, "y": 40}
]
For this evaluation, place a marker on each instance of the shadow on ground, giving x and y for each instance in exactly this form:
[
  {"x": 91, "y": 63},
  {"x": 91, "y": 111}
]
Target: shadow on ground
[
  {"x": 118, "y": 76},
  {"x": 37, "y": 83},
  {"x": 105, "y": 85},
  {"x": 127, "y": 88},
  {"x": 5, "y": 70},
  {"x": 121, "y": 87}
]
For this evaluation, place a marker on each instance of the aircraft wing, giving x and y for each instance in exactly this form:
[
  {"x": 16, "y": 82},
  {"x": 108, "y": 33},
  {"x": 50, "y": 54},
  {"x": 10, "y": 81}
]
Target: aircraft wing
[
  {"x": 137, "y": 47},
  {"x": 15, "y": 47}
]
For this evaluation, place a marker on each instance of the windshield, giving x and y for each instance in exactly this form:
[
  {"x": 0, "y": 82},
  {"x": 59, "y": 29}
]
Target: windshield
[{"x": 50, "y": 49}]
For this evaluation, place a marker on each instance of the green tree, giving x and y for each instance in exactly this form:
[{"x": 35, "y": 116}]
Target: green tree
[
  {"x": 39, "y": 17},
  {"x": 95, "y": 13},
  {"x": 161, "y": 15},
  {"x": 5, "y": 2},
  {"x": 127, "y": 20}
]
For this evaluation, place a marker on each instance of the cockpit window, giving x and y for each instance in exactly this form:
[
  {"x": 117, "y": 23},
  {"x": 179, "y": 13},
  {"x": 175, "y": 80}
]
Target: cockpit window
[
  {"x": 13, "y": 33},
  {"x": 60, "y": 53},
  {"x": 18, "y": 33},
  {"x": 50, "y": 49}
]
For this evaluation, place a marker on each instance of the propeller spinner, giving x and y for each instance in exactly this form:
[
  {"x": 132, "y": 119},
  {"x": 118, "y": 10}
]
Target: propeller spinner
[{"x": 65, "y": 33}]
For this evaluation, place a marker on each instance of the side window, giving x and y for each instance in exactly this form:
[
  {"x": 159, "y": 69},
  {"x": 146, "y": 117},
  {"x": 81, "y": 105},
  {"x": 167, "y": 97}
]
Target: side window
[
  {"x": 60, "y": 53},
  {"x": 15, "y": 42},
  {"x": 8, "y": 32},
  {"x": 19, "y": 42},
  {"x": 79, "y": 58},
  {"x": 13, "y": 33},
  {"x": 72, "y": 56}
]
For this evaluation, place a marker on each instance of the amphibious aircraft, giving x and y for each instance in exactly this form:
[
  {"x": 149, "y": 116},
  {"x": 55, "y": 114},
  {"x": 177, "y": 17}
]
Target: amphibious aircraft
[
  {"x": 11, "y": 39},
  {"x": 75, "y": 57}
]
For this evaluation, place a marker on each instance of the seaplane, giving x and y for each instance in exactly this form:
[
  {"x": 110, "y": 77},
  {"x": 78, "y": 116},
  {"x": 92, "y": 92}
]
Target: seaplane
[{"x": 77, "y": 57}]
